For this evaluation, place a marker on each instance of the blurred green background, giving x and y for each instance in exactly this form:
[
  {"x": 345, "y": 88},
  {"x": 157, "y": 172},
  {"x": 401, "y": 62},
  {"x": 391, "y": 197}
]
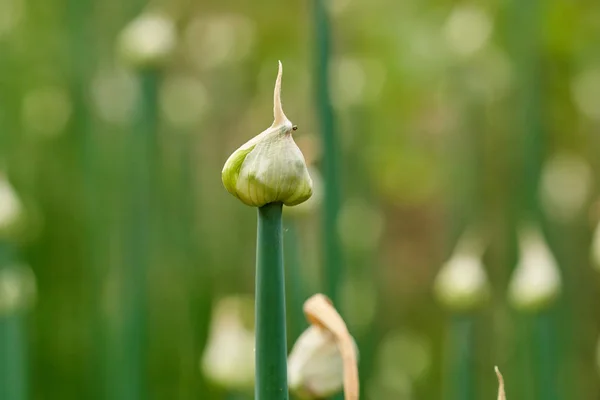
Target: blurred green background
[{"x": 127, "y": 270}]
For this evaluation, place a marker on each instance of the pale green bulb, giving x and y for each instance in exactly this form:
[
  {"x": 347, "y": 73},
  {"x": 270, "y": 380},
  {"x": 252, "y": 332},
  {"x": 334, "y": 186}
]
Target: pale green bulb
[{"x": 270, "y": 167}]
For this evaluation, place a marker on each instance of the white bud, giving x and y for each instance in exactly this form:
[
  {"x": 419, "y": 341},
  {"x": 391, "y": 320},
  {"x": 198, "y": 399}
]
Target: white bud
[
  {"x": 565, "y": 186},
  {"x": 462, "y": 283},
  {"x": 17, "y": 289},
  {"x": 315, "y": 366},
  {"x": 229, "y": 356},
  {"x": 11, "y": 209},
  {"x": 536, "y": 280},
  {"x": 148, "y": 40}
]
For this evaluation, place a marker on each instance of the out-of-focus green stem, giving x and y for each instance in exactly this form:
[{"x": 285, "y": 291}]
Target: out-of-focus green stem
[
  {"x": 333, "y": 254},
  {"x": 545, "y": 351},
  {"x": 271, "y": 341},
  {"x": 13, "y": 357},
  {"x": 461, "y": 364},
  {"x": 130, "y": 372},
  {"x": 527, "y": 46},
  {"x": 13, "y": 346},
  {"x": 295, "y": 281},
  {"x": 197, "y": 268}
]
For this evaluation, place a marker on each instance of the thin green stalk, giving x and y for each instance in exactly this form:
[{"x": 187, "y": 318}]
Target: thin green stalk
[
  {"x": 333, "y": 254},
  {"x": 527, "y": 45},
  {"x": 81, "y": 58},
  {"x": 295, "y": 281},
  {"x": 13, "y": 359},
  {"x": 461, "y": 364},
  {"x": 129, "y": 376},
  {"x": 465, "y": 210},
  {"x": 199, "y": 281},
  {"x": 544, "y": 338},
  {"x": 271, "y": 342},
  {"x": 13, "y": 346}
]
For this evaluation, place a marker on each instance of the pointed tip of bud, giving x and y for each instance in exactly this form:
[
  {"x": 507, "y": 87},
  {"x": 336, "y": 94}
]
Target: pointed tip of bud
[
  {"x": 501, "y": 394},
  {"x": 278, "y": 114}
]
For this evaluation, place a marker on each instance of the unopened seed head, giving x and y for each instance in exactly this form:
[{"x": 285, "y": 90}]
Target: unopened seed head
[
  {"x": 315, "y": 366},
  {"x": 536, "y": 280},
  {"x": 270, "y": 167}
]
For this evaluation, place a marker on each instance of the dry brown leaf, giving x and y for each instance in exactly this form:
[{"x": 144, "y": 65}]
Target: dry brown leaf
[{"x": 320, "y": 311}]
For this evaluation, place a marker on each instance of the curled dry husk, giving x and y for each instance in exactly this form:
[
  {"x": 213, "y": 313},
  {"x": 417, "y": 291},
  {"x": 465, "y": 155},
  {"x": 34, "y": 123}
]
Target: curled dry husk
[
  {"x": 270, "y": 167},
  {"x": 501, "y": 394},
  {"x": 324, "y": 358}
]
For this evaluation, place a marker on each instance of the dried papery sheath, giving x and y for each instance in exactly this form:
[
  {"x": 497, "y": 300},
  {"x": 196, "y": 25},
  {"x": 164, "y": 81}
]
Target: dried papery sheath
[
  {"x": 324, "y": 358},
  {"x": 501, "y": 394},
  {"x": 462, "y": 283},
  {"x": 270, "y": 167},
  {"x": 536, "y": 281}
]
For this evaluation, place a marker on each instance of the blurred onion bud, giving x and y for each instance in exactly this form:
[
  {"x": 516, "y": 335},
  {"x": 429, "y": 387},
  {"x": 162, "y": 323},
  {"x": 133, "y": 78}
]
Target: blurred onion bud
[
  {"x": 462, "y": 283},
  {"x": 324, "y": 358},
  {"x": 536, "y": 280},
  {"x": 595, "y": 249},
  {"x": 315, "y": 366},
  {"x": 18, "y": 289},
  {"x": 311, "y": 205},
  {"x": 11, "y": 209},
  {"x": 228, "y": 359},
  {"x": 148, "y": 40},
  {"x": 270, "y": 167}
]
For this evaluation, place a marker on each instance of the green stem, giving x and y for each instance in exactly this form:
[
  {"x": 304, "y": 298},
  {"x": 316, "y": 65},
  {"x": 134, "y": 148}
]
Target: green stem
[
  {"x": 295, "y": 281},
  {"x": 130, "y": 374},
  {"x": 333, "y": 254},
  {"x": 544, "y": 337},
  {"x": 13, "y": 362},
  {"x": 462, "y": 362},
  {"x": 271, "y": 342},
  {"x": 13, "y": 346}
]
